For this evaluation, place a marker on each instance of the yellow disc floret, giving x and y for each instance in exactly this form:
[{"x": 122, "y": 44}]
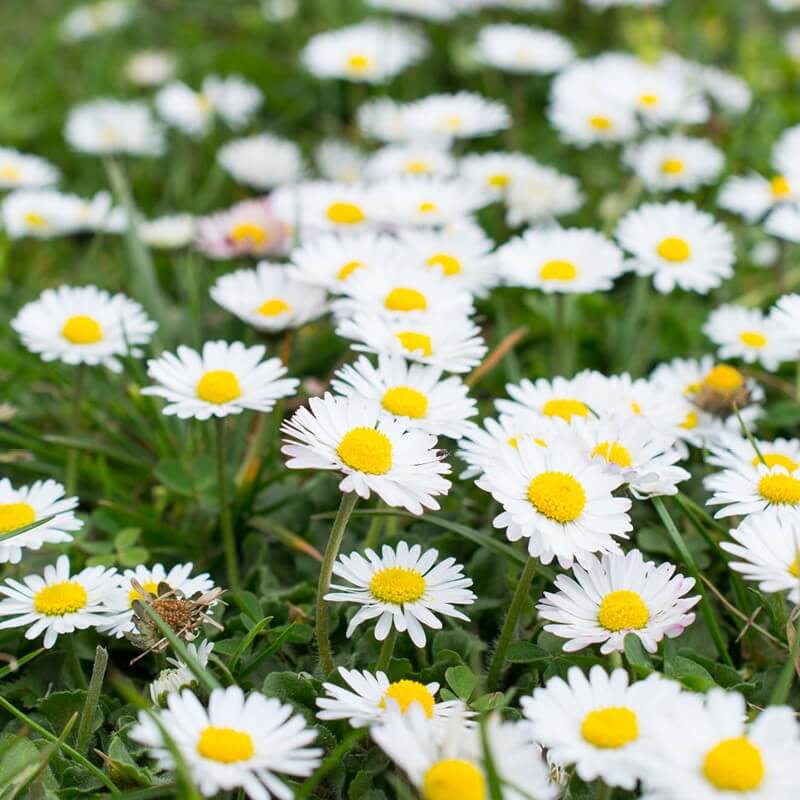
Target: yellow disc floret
[
  {"x": 734, "y": 765},
  {"x": 558, "y": 271},
  {"x": 345, "y": 213},
  {"x": 672, "y": 166},
  {"x": 404, "y": 693},
  {"x": 273, "y": 307},
  {"x": 779, "y": 488},
  {"x": 250, "y": 234},
  {"x": 610, "y": 728},
  {"x": 14, "y": 516},
  {"x": 397, "y": 585},
  {"x": 414, "y": 342},
  {"x": 405, "y": 402},
  {"x": 623, "y": 610},
  {"x": 454, "y": 779},
  {"x": 449, "y": 265},
  {"x": 348, "y": 269},
  {"x": 366, "y": 450},
  {"x": 614, "y": 453},
  {"x": 226, "y": 745},
  {"x": 557, "y": 495},
  {"x": 58, "y": 599},
  {"x": 724, "y": 379},
  {"x": 81, "y": 329},
  {"x": 404, "y": 299},
  {"x": 753, "y": 339},
  {"x": 565, "y": 408},
  {"x": 674, "y": 249},
  {"x": 218, "y": 386}
]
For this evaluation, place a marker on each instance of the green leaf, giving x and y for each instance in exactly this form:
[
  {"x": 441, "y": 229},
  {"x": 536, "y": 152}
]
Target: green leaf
[
  {"x": 172, "y": 474},
  {"x": 134, "y": 556},
  {"x": 525, "y": 653},
  {"x": 489, "y": 702},
  {"x": 17, "y": 755},
  {"x": 461, "y": 680},
  {"x": 290, "y": 687},
  {"x": 59, "y": 707},
  {"x": 126, "y": 538},
  {"x": 637, "y": 656}
]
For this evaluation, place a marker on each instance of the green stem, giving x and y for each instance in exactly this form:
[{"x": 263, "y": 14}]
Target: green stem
[
  {"x": 346, "y": 506},
  {"x": 73, "y": 454},
  {"x": 604, "y": 792},
  {"x": 780, "y": 692},
  {"x": 615, "y": 657},
  {"x": 387, "y": 650},
  {"x": 373, "y": 534},
  {"x": 74, "y": 661},
  {"x": 688, "y": 559},
  {"x": 92, "y": 698},
  {"x": 225, "y": 522},
  {"x": 333, "y": 761},
  {"x": 510, "y": 624},
  {"x": 63, "y": 746},
  {"x": 749, "y": 436}
]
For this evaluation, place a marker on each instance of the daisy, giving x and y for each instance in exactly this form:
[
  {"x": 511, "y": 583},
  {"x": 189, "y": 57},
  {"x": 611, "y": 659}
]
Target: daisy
[
  {"x": 21, "y": 171},
  {"x": 464, "y": 115},
  {"x": 557, "y": 499},
  {"x": 403, "y": 588},
  {"x": 785, "y": 316},
  {"x": 413, "y": 393},
  {"x": 85, "y": 21},
  {"x": 372, "y": 696},
  {"x": 623, "y": 394},
  {"x": 120, "y": 603},
  {"x": 178, "y": 676},
  {"x": 674, "y": 162},
  {"x": 539, "y": 194},
  {"x": 601, "y": 723},
  {"x": 375, "y": 452},
  {"x": 106, "y": 126},
  {"x": 170, "y": 232},
  {"x": 786, "y": 151},
  {"x": 150, "y": 68},
  {"x": 752, "y": 196},
  {"x": 28, "y": 504},
  {"x": 679, "y": 245},
  {"x": 225, "y": 378},
  {"x": 368, "y": 52},
  {"x": 747, "y": 334},
  {"x": 754, "y": 488},
  {"x": 83, "y": 325},
  {"x": 784, "y": 223},
  {"x": 38, "y": 213},
  {"x": 432, "y": 10},
  {"x": 316, "y": 207},
  {"x": 453, "y": 763},
  {"x": 522, "y": 50},
  {"x": 268, "y": 298},
  {"x": 262, "y": 161},
  {"x": 409, "y": 159},
  {"x": 453, "y": 344},
  {"x": 733, "y": 450},
  {"x": 561, "y": 260},
  {"x": 703, "y": 747},
  {"x": 617, "y": 595},
  {"x": 56, "y": 603},
  {"x": 494, "y": 172},
  {"x": 250, "y": 227},
  {"x": 236, "y": 742},
  {"x": 730, "y": 92},
  {"x": 340, "y": 161},
  {"x": 387, "y": 120},
  {"x": 769, "y": 549}
]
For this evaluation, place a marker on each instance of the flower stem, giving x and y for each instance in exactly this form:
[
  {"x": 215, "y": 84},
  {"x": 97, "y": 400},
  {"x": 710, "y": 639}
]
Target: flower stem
[
  {"x": 780, "y": 692},
  {"x": 228, "y": 541},
  {"x": 510, "y": 624},
  {"x": 73, "y": 454},
  {"x": 346, "y": 506},
  {"x": 74, "y": 661},
  {"x": 331, "y": 762},
  {"x": 387, "y": 650},
  {"x": 688, "y": 559},
  {"x": 92, "y": 698}
]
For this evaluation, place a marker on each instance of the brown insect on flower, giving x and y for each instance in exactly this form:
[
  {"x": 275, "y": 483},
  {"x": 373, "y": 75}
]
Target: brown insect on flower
[
  {"x": 184, "y": 615},
  {"x": 722, "y": 391}
]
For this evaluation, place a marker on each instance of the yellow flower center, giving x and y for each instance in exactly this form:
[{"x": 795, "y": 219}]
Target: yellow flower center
[
  {"x": 366, "y": 450},
  {"x": 600, "y": 123},
  {"x": 404, "y": 693},
  {"x": 226, "y": 745},
  {"x": 358, "y": 63},
  {"x": 614, "y": 453},
  {"x": 453, "y": 778},
  {"x": 558, "y": 496},
  {"x": 649, "y": 100},
  {"x": 623, "y": 610},
  {"x": 405, "y": 402},
  {"x": 14, "y": 516},
  {"x": 449, "y": 264},
  {"x": 404, "y": 299},
  {"x": 219, "y": 386},
  {"x": 454, "y": 122},
  {"x": 249, "y": 233},
  {"x": 9, "y": 172},
  {"x": 753, "y": 339},
  {"x": 397, "y": 585},
  {"x": 273, "y": 307},
  {"x": 82, "y": 330},
  {"x": 348, "y": 269},
  {"x": 794, "y": 567},
  {"x": 779, "y": 488},
  {"x": 635, "y": 407},
  {"x": 204, "y": 103},
  {"x": 414, "y": 342},
  {"x": 417, "y": 167},
  {"x": 345, "y": 213},
  {"x": 690, "y": 422},
  {"x": 427, "y": 207},
  {"x": 558, "y": 271},
  {"x": 498, "y": 181},
  {"x": 779, "y": 186},
  {"x": 59, "y": 599},
  {"x": 674, "y": 249},
  {"x": 148, "y": 586},
  {"x": 610, "y": 728},
  {"x": 734, "y": 765},
  {"x": 566, "y": 409},
  {"x": 35, "y": 220},
  {"x": 672, "y": 166},
  {"x": 724, "y": 379},
  {"x": 776, "y": 460}
]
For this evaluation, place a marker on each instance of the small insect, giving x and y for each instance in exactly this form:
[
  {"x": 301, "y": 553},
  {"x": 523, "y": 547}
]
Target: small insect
[{"x": 185, "y": 615}]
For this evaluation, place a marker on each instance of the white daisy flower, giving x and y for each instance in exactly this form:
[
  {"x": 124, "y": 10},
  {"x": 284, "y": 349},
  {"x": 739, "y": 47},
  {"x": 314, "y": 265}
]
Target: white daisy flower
[
  {"x": 733, "y": 450},
  {"x": 237, "y": 742},
  {"x": 463, "y": 115},
  {"x": 514, "y": 5},
  {"x": 785, "y": 316},
  {"x": 754, "y": 488},
  {"x": 618, "y": 595},
  {"x": 375, "y": 452},
  {"x": 83, "y": 325},
  {"x": 752, "y": 196},
  {"x": 769, "y": 548},
  {"x": 786, "y": 151},
  {"x": 367, "y": 52},
  {"x": 340, "y": 161},
  {"x": 106, "y": 126},
  {"x": 404, "y": 588},
  {"x": 120, "y": 602},
  {"x": 268, "y": 298},
  {"x": 178, "y": 676},
  {"x": 455, "y": 765},
  {"x": 150, "y": 68},
  {"x": 47, "y": 213},
  {"x": 784, "y": 223},
  {"x": 409, "y": 159},
  {"x": 432, "y": 10},
  {"x": 558, "y": 500},
  {"x": 600, "y": 723},
  {"x": 263, "y": 161},
  {"x": 55, "y": 602},
  {"x": 21, "y": 171},
  {"x": 28, "y": 504},
  {"x": 372, "y": 696},
  {"x": 314, "y": 207},
  {"x": 85, "y": 21},
  {"x": 249, "y": 228},
  {"x": 225, "y": 378},
  {"x": 679, "y": 245},
  {"x": 170, "y": 232},
  {"x": 522, "y": 49},
  {"x": 539, "y": 194},
  {"x": 453, "y": 344},
  {"x": 413, "y": 393},
  {"x": 561, "y": 260},
  {"x": 747, "y": 334},
  {"x": 623, "y": 394},
  {"x": 494, "y": 172},
  {"x": 730, "y": 92},
  {"x": 232, "y": 99},
  {"x": 387, "y": 120},
  {"x": 279, "y": 10},
  {"x": 703, "y": 747},
  {"x": 784, "y": 5},
  {"x": 674, "y": 162}
]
